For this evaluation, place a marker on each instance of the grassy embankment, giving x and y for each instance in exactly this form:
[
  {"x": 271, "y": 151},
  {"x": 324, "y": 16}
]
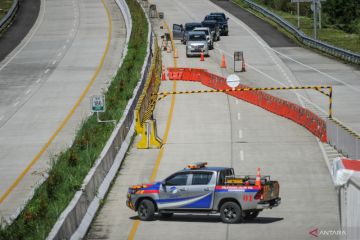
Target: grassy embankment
[
  {"x": 327, "y": 34},
  {"x": 5, "y": 5},
  {"x": 72, "y": 165}
]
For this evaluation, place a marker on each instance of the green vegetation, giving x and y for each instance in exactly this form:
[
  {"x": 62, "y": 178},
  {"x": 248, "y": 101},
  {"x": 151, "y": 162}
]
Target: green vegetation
[
  {"x": 5, "y": 5},
  {"x": 70, "y": 167},
  {"x": 340, "y": 20}
]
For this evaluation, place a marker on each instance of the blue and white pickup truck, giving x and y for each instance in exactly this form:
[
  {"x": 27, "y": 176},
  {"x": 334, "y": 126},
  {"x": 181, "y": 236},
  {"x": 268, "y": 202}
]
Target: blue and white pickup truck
[{"x": 201, "y": 189}]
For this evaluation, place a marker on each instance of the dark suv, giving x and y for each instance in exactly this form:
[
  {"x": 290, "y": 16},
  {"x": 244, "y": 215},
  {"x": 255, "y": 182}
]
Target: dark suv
[
  {"x": 214, "y": 28},
  {"x": 221, "y": 20}
]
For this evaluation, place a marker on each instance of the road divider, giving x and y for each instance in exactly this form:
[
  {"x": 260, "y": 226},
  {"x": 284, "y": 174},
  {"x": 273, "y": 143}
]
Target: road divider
[{"x": 302, "y": 116}]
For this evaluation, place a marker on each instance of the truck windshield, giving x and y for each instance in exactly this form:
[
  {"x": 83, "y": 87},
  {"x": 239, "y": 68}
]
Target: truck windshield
[
  {"x": 197, "y": 37},
  {"x": 217, "y": 18}
]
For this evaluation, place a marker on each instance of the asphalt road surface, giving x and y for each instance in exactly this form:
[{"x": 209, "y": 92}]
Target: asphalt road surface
[
  {"x": 68, "y": 50},
  {"x": 21, "y": 25},
  {"x": 225, "y": 131}
]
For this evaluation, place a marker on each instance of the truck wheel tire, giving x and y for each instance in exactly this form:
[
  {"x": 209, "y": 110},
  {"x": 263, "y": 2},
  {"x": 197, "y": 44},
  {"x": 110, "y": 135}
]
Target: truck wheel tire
[
  {"x": 230, "y": 212},
  {"x": 146, "y": 210},
  {"x": 166, "y": 215},
  {"x": 249, "y": 215}
]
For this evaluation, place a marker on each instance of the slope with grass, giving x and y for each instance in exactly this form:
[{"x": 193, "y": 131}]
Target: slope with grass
[
  {"x": 72, "y": 165},
  {"x": 327, "y": 33}
]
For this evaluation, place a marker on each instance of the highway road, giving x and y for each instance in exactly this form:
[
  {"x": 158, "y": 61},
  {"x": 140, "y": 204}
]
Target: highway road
[
  {"x": 225, "y": 131},
  {"x": 310, "y": 68},
  {"x": 71, "y": 53}
]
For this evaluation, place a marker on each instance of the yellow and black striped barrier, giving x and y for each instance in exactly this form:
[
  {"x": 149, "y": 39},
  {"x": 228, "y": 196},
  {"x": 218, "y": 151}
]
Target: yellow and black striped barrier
[
  {"x": 144, "y": 124},
  {"x": 319, "y": 88}
]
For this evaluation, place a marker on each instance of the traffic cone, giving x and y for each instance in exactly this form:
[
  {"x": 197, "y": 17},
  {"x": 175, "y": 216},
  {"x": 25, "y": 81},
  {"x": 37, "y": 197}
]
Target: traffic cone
[
  {"x": 223, "y": 62},
  {"x": 258, "y": 178},
  {"x": 243, "y": 65},
  {"x": 163, "y": 75},
  {"x": 175, "y": 53},
  {"x": 202, "y": 56}
]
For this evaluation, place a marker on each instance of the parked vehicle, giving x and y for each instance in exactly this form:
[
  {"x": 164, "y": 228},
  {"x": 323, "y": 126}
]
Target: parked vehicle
[
  {"x": 201, "y": 189},
  {"x": 180, "y": 32},
  {"x": 209, "y": 37},
  {"x": 196, "y": 43},
  {"x": 214, "y": 28},
  {"x": 221, "y": 20}
]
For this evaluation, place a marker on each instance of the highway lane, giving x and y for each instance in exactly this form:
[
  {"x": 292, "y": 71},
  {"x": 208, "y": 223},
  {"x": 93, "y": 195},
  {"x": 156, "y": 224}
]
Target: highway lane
[
  {"x": 68, "y": 49},
  {"x": 225, "y": 131},
  {"x": 21, "y": 25},
  {"x": 310, "y": 68}
]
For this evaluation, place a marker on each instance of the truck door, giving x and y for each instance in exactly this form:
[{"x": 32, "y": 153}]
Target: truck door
[
  {"x": 173, "y": 193},
  {"x": 201, "y": 190},
  {"x": 178, "y": 31}
]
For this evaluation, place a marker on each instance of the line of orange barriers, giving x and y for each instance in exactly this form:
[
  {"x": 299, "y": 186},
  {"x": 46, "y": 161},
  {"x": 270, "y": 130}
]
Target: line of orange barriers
[{"x": 284, "y": 108}]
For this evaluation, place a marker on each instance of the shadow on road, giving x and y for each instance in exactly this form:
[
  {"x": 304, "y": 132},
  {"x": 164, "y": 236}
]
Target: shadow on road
[{"x": 211, "y": 219}]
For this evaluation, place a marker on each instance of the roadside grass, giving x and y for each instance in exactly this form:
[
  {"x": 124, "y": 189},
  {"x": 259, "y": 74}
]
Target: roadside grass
[
  {"x": 70, "y": 167},
  {"x": 5, "y": 5},
  {"x": 327, "y": 33}
]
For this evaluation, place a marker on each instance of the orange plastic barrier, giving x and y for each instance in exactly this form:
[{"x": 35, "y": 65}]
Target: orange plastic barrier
[{"x": 292, "y": 111}]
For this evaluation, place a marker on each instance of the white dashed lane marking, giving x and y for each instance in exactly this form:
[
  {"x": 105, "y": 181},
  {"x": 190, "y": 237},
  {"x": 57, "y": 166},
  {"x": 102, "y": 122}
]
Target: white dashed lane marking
[
  {"x": 46, "y": 71},
  {"x": 240, "y": 134},
  {"x": 16, "y": 103},
  {"x": 238, "y": 116},
  {"x": 242, "y": 155},
  {"x": 27, "y": 91}
]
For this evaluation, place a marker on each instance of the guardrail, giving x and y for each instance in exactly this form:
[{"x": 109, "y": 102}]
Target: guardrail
[
  {"x": 76, "y": 218},
  {"x": 302, "y": 37},
  {"x": 7, "y": 19},
  {"x": 343, "y": 139},
  {"x": 349, "y": 197}
]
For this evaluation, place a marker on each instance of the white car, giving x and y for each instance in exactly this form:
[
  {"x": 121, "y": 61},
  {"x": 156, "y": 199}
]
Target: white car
[
  {"x": 196, "y": 43},
  {"x": 208, "y": 33}
]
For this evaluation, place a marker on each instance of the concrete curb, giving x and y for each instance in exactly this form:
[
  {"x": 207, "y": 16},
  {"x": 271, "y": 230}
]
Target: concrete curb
[
  {"x": 77, "y": 217},
  {"x": 7, "y": 19}
]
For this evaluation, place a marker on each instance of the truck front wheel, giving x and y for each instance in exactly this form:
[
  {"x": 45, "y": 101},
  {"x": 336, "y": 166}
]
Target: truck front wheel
[
  {"x": 146, "y": 210},
  {"x": 249, "y": 215},
  {"x": 230, "y": 212}
]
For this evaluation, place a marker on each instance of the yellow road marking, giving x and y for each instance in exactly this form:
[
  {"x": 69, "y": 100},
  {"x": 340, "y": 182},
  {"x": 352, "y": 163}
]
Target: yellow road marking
[
  {"x": 69, "y": 115},
  {"x": 161, "y": 152}
]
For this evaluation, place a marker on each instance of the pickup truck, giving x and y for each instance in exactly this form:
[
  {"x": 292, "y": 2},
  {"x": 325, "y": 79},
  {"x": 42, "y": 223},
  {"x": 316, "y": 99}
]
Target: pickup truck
[
  {"x": 221, "y": 20},
  {"x": 201, "y": 189}
]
